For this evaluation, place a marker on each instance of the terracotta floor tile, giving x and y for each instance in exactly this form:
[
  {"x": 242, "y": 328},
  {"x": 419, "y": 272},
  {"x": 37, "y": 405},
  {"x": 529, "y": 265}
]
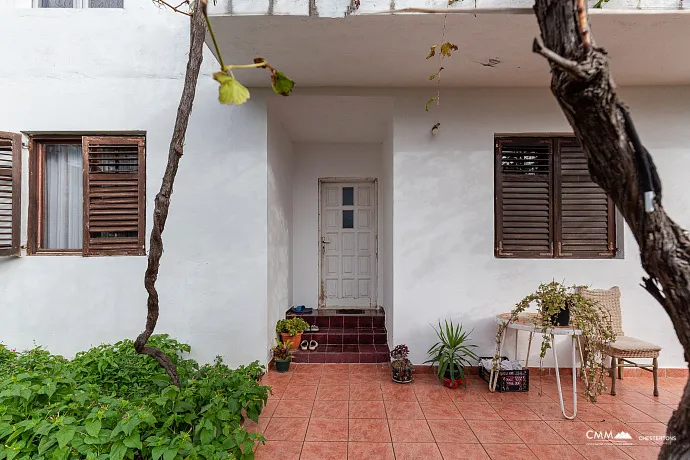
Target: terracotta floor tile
[
  {"x": 602, "y": 452},
  {"x": 278, "y": 450},
  {"x": 641, "y": 452},
  {"x": 403, "y": 410},
  {"x": 535, "y": 432},
  {"x": 305, "y": 379},
  {"x": 410, "y": 431},
  {"x": 369, "y": 430},
  {"x": 588, "y": 412},
  {"x": 330, "y": 409},
  {"x": 293, "y": 408},
  {"x": 366, "y": 392},
  {"x": 454, "y": 451},
  {"x": 440, "y": 411},
  {"x": 431, "y": 393},
  {"x": 649, "y": 429},
  {"x": 457, "y": 431},
  {"x": 509, "y": 451},
  {"x": 308, "y": 368},
  {"x": 550, "y": 411},
  {"x": 616, "y": 427},
  {"x": 324, "y": 451},
  {"x": 324, "y": 429},
  {"x": 333, "y": 393},
  {"x": 659, "y": 412},
  {"x": 286, "y": 429},
  {"x": 417, "y": 451},
  {"x": 270, "y": 407},
  {"x": 300, "y": 391},
  {"x": 555, "y": 451},
  {"x": 626, "y": 413},
  {"x": 343, "y": 369},
  {"x": 477, "y": 411},
  {"x": 358, "y": 379},
  {"x": 334, "y": 378},
  {"x": 397, "y": 392},
  {"x": 428, "y": 379},
  {"x": 364, "y": 368},
  {"x": 493, "y": 432},
  {"x": 370, "y": 451},
  {"x": 514, "y": 411},
  {"x": 367, "y": 409},
  {"x": 253, "y": 427},
  {"x": 573, "y": 431}
]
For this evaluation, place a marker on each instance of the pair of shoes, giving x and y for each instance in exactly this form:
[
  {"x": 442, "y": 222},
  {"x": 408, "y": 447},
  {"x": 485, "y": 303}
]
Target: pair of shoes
[
  {"x": 301, "y": 309},
  {"x": 311, "y": 345},
  {"x": 313, "y": 328}
]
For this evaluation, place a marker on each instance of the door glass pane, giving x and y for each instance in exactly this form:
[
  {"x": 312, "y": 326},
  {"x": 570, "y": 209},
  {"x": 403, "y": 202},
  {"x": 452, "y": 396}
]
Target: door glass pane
[
  {"x": 106, "y": 3},
  {"x": 348, "y": 196},
  {"x": 348, "y": 219},
  {"x": 63, "y": 197},
  {"x": 57, "y": 3}
]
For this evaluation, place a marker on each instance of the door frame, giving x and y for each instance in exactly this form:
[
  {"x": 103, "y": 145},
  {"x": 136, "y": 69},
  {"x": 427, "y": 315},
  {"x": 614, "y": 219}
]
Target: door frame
[{"x": 349, "y": 180}]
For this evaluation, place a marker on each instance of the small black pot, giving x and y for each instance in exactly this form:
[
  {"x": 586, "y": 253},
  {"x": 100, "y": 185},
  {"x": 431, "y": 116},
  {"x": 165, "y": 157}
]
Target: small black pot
[
  {"x": 562, "y": 318},
  {"x": 456, "y": 374},
  {"x": 282, "y": 365}
]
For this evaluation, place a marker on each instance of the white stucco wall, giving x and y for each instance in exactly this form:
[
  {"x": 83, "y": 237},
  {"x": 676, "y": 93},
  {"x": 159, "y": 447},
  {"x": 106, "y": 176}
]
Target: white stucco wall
[
  {"x": 121, "y": 70},
  {"x": 444, "y": 265},
  {"x": 314, "y": 161},
  {"x": 387, "y": 228},
  {"x": 280, "y": 173}
]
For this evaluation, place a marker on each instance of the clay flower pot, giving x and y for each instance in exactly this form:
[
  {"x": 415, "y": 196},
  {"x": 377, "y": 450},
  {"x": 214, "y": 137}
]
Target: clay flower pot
[{"x": 295, "y": 339}]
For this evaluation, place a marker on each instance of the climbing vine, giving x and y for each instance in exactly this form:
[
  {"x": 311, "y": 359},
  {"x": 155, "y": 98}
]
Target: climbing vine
[{"x": 585, "y": 315}]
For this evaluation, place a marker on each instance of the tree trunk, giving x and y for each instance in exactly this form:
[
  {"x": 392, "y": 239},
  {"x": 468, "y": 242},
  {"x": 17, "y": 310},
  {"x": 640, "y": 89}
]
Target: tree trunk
[
  {"x": 197, "y": 33},
  {"x": 583, "y": 86}
]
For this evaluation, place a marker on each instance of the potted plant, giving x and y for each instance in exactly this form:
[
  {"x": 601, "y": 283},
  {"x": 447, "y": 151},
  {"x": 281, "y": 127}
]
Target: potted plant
[
  {"x": 451, "y": 353},
  {"x": 558, "y": 305},
  {"x": 282, "y": 355},
  {"x": 291, "y": 330},
  {"x": 401, "y": 367}
]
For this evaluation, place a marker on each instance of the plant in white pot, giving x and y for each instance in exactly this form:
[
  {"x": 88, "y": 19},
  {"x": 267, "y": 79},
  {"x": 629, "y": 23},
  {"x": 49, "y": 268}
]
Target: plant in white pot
[{"x": 451, "y": 354}]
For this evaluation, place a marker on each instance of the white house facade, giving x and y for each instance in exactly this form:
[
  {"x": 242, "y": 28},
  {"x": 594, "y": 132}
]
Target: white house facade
[{"x": 339, "y": 196}]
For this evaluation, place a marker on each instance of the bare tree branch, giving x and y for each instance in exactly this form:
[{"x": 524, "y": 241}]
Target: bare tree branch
[{"x": 197, "y": 34}]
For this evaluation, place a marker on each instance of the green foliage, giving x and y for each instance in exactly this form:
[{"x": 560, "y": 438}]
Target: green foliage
[
  {"x": 112, "y": 403},
  {"x": 429, "y": 102},
  {"x": 281, "y": 84},
  {"x": 452, "y": 351},
  {"x": 446, "y": 49},
  {"x": 230, "y": 91},
  {"x": 600, "y": 3},
  {"x": 292, "y": 326},
  {"x": 585, "y": 315},
  {"x": 282, "y": 350}
]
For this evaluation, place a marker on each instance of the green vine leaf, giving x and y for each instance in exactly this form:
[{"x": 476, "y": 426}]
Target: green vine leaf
[
  {"x": 281, "y": 84},
  {"x": 446, "y": 49},
  {"x": 429, "y": 102},
  {"x": 432, "y": 52},
  {"x": 231, "y": 91},
  {"x": 599, "y": 3},
  {"x": 452, "y": 2}
]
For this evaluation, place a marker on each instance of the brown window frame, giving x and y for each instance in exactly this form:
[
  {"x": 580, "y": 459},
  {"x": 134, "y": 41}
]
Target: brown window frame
[
  {"x": 37, "y": 145},
  {"x": 13, "y": 175},
  {"x": 553, "y": 182}
]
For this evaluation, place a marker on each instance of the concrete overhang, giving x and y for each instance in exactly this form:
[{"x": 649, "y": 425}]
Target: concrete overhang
[{"x": 495, "y": 50}]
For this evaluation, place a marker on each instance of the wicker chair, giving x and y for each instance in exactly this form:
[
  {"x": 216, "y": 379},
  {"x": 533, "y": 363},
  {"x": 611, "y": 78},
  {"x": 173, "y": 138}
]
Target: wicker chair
[{"x": 623, "y": 348}]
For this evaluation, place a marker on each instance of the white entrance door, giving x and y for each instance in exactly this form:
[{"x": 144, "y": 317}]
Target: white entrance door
[{"x": 348, "y": 244}]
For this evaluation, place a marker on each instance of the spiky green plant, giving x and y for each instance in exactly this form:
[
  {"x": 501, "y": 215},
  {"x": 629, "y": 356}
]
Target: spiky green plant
[{"x": 452, "y": 351}]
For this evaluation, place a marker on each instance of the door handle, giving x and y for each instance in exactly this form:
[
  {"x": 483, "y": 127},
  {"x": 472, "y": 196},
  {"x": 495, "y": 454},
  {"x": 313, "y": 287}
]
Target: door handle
[{"x": 324, "y": 242}]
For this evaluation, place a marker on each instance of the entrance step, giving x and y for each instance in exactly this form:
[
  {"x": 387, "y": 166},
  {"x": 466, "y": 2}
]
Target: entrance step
[{"x": 345, "y": 338}]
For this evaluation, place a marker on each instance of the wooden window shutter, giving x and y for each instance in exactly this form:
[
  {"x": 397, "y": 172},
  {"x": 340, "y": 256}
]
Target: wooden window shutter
[
  {"x": 114, "y": 195},
  {"x": 523, "y": 205},
  {"x": 10, "y": 193},
  {"x": 586, "y": 224}
]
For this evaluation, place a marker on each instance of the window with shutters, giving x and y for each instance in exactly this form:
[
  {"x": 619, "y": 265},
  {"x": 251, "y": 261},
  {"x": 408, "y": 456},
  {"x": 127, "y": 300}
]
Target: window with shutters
[
  {"x": 546, "y": 204},
  {"x": 87, "y": 195},
  {"x": 10, "y": 193}
]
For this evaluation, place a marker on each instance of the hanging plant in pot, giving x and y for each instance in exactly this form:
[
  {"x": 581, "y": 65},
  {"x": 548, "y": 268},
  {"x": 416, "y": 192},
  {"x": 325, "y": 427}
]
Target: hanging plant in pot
[
  {"x": 451, "y": 354},
  {"x": 291, "y": 330},
  {"x": 401, "y": 367},
  {"x": 282, "y": 355}
]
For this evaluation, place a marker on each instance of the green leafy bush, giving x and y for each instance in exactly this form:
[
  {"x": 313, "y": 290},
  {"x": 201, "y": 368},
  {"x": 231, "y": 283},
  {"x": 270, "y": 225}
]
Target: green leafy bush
[{"x": 112, "y": 403}]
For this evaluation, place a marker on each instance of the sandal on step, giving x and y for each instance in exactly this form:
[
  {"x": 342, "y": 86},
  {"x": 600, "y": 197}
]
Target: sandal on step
[
  {"x": 313, "y": 344},
  {"x": 314, "y": 328},
  {"x": 304, "y": 345}
]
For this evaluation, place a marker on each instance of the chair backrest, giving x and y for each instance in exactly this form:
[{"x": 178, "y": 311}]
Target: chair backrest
[{"x": 608, "y": 300}]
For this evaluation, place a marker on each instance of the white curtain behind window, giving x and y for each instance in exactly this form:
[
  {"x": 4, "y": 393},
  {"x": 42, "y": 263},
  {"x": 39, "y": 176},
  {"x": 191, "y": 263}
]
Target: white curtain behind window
[{"x": 63, "y": 200}]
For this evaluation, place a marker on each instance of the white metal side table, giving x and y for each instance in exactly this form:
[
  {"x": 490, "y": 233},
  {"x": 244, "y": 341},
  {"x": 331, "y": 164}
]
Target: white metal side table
[{"x": 530, "y": 322}]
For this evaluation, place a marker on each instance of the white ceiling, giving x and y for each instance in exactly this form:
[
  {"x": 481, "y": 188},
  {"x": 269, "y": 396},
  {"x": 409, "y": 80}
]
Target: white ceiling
[
  {"x": 333, "y": 118},
  {"x": 390, "y": 51}
]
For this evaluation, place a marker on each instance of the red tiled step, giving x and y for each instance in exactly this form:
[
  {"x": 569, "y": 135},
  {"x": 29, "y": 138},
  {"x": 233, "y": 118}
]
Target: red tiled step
[{"x": 344, "y": 354}]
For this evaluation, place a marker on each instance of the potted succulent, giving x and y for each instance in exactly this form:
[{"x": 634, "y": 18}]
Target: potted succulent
[
  {"x": 291, "y": 330},
  {"x": 451, "y": 353},
  {"x": 282, "y": 355},
  {"x": 401, "y": 367}
]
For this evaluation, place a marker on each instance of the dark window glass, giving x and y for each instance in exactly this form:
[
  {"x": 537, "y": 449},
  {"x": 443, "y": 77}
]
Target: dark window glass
[
  {"x": 106, "y": 3},
  {"x": 348, "y": 219},
  {"x": 348, "y": 196},
  {"x": 57, "y": 4}
]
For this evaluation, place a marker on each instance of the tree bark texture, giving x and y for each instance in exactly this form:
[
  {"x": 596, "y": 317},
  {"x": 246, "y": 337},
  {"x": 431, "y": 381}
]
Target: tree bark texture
[
  {"x": 197, "y": 34},
  {"x": 584, "y": 88}
]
